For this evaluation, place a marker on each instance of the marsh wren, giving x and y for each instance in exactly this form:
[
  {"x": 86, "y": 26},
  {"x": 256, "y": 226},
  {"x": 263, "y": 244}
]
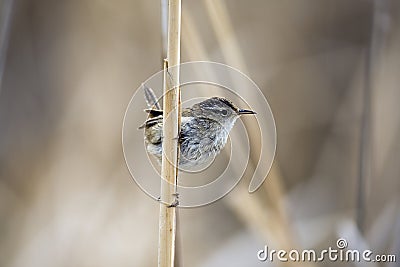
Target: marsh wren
[{"x": 204, "y": 131}]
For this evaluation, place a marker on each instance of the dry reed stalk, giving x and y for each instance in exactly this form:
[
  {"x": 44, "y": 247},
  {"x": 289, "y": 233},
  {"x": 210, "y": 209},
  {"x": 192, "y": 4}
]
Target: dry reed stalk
[
  {"x": 6, "y": 13},
  {"x": 164, "y": 30},
  {"x": 233, "y": 55},
  {"x": 171, "y": 123},
  {"x": 275, "y": 223},
  {"x": 272, "y": 223},
  {"x": 226, "y": 37}
]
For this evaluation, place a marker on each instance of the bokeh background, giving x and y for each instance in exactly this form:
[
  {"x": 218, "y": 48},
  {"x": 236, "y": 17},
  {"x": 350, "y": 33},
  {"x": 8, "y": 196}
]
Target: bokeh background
[{"x": 329, "y": 69}]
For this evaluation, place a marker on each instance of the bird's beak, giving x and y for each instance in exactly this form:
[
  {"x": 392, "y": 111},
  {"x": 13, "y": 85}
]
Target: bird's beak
[{"x": 245, "y": 111}]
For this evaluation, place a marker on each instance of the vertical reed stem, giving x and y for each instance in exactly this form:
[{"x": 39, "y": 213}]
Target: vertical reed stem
[
  {"x": 171, "y": 125},
  {"x": 164, "y": 30},
  {"x": 6, "y": 12}
]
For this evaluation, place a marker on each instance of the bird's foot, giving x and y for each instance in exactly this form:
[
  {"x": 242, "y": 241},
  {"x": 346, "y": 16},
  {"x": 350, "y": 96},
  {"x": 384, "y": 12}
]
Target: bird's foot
[
  {"x": 176, "y": 201},
  {"x": 174, "y": 204}
]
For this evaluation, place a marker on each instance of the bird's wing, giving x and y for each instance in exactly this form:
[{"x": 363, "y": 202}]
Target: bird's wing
[
  {"x": 154, "y": 112},
  {"x": 150, "y": 122},
  {"x": 158, "y": 112}
]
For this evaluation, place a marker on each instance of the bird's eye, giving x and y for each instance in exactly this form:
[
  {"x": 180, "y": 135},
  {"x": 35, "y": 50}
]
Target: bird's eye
[{"x": 224, "y": 112}]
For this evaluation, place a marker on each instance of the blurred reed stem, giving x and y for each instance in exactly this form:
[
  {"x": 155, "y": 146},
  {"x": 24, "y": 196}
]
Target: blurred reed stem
[
  {"x": 6, "y": 11},
  {"x": 381, "y": 13},
  {"x": 272, "y": 223},
  {"x": 164, "y": 30}
]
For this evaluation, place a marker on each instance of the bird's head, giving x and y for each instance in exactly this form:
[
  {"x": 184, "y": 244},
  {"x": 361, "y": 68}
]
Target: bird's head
[{"x": 221, "y": 110}]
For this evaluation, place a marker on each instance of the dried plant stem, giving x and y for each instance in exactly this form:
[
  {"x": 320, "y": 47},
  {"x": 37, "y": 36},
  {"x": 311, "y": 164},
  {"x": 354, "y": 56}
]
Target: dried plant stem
[
  {"x": 171, "y": 122},
  {"x": 222, "y": 25},
  {"x": 6, "y": 12},
  {"x": 379, "y": 23},
  {"x": 164, "y": 30},
  {"x": 272, "y": 222}
]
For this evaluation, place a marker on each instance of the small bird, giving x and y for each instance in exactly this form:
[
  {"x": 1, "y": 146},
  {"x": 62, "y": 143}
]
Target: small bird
[{"x": 205, "y": 127}]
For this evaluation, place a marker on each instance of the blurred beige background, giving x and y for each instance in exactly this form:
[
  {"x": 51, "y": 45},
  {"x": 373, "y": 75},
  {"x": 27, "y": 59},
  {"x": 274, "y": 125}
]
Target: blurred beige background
[{"x": 330, "y": 70}]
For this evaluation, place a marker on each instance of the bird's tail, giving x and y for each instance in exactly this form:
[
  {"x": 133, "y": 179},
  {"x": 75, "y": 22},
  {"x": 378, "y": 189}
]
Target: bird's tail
[{"x": 150, "y": 97}]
